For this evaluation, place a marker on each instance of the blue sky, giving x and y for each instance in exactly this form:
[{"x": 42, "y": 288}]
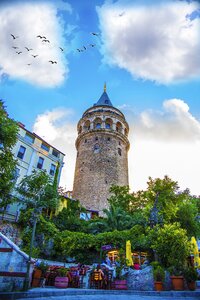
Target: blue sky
[{"x": 146, "y": 51}]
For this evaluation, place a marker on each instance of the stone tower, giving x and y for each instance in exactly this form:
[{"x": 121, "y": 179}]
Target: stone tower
[{"x": 102, "y": 147}]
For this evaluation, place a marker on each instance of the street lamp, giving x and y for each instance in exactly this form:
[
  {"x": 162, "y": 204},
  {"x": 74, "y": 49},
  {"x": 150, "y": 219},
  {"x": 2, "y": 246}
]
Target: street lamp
[
  {"x": 155, "y": 218},
  {"x": 36, "y": 213}
]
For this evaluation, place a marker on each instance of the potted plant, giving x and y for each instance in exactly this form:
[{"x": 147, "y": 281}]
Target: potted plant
[
  {"x": 39, "y": 273},
  {"x": 120, "y": 282},
  {"x": 158, "y": 275},
  {"x": 191, "y": 276},
  {"x": 177, "y": 277},
  {"x": 61, "y": 280}
]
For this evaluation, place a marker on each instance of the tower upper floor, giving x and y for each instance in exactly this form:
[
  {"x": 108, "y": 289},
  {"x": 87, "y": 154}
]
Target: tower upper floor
[{"x": 103, "y": 116}]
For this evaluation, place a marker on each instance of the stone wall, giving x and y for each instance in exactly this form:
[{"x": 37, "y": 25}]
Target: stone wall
[
  {"x": 101, "y": 162},
  {"x": 11, "y": 232},
  {"x": 13, "y": 265},
  {"x": 140, "y": 280}
]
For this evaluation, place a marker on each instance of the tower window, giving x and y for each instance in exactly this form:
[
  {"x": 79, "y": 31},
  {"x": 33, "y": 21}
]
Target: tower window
[
  {"x": 108, "y": 139},
  {"x": 107, "y": 126},
  {"x": 96, "y": 138},
  {"x": 96, "y": 148},
  {"x": 119, "y": 143},
  {"x": 98, "y": 125},
  {"x": 21, "y": 152},
  {"x": 40, "y": 162},
  {"x": 85, "y": 140},
  {"x": 119, "y": 151}
]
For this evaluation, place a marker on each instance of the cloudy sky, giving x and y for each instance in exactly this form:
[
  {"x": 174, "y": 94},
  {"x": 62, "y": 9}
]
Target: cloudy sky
[{"x": 52, "y": 68}]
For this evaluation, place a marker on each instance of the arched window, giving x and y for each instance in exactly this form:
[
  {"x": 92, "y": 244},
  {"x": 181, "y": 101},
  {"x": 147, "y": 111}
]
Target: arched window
[
  {"x": 97, "y": 123},
  {"x": 96, "y": 148},
  {"x": 119, "y": 127},
  {"x": 126, "y": 131},
  {"x": 108, "y": 123},
  {"x": 119, "y": 151},
  {"x": 87, "y": 125}
]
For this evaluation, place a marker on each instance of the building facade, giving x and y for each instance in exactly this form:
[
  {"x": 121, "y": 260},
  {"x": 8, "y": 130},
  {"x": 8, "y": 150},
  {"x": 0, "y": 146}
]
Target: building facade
[
  {"x": 33, "y": 153},
  {"x": 102, "y": 154}
]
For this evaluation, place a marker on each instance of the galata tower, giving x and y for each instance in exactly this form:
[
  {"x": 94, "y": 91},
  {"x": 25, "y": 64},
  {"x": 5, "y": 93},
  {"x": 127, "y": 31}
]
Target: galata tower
[{"x": 102, "y": 154}]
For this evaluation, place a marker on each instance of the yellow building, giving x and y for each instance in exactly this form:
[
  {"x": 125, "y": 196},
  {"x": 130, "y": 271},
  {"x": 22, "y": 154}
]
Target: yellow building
[{"x": 32, "y": 153}]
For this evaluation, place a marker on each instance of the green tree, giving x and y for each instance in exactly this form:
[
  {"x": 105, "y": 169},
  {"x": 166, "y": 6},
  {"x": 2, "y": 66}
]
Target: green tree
[
  {"x": 8, "y": 138},
  {"x": 37, "y": 191},
  {"x": 187, "y": 216},
  {"x": 121, "y": 197},
  {"x": 171, "y": 245},
  {"x": 69, "y": 218},
  {"x": 115, "y": 219}
]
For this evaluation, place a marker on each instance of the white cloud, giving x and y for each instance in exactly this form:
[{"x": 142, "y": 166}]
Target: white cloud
[
  {"x": 58, "y": 130},
  {"x": 174, "y": 124},
  {"x": 28, "y": 20},
  {"x": 157, "y": 42},
  {"x": 162, "y": 142}
]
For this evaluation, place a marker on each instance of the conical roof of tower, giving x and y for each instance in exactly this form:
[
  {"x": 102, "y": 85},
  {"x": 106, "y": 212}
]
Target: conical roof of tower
[{"x": 104, "y": 99}]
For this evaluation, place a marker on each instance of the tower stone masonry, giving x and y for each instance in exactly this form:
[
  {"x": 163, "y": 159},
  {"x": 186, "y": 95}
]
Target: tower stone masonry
[{"x": 102, "y": 154}]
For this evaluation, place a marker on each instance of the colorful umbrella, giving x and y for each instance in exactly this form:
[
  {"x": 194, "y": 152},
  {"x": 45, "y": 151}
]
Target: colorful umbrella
[{"x": 129, "y": 254}]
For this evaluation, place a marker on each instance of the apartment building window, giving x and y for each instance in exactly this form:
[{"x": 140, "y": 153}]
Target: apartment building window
[
  {"x": 45, "y": 147},
  {"x": 16, "y": 173},
  {"x": 40, "y": 162},
  {"x": 21, "y": 152},
  {"x": 52, "y": 170},
  {"x": 29, "y": 138},
  {"x": 55, "y": 153}
]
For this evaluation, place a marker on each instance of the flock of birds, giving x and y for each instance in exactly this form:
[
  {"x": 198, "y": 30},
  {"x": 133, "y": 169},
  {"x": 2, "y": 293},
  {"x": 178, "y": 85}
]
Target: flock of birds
[{"x": 45, "y": 40}]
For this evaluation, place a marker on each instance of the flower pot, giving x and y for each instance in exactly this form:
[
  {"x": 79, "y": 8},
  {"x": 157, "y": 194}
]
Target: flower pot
[
  {"x": 191, "y": 285},
  {"x": 36, "y": 279},
  {"x": 61, "y": 282},
  {"x": 120, "y": 284},
  {"x": 158, "y": 286},
  {"x": 177, "y": 283}
]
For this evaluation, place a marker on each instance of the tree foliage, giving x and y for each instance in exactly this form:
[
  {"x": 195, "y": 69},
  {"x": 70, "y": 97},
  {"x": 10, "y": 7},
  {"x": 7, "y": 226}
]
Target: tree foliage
[
  {"x": 8, "y": 138},
  {"x": 36, "y": 191},
  {"x": 171, "y": 245}
]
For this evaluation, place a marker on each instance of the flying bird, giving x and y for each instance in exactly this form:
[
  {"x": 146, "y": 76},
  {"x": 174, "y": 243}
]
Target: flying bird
[
  {"x": 39, "y": 36},
  {"x": 61, "y": 49},
  {"x": 79, "y": 50},
  {"x": 46, "y": 41},
  {"x": 14, "y": 37},
  {"x": 28, "y": 49},
  {"x": 92, "y": 45},
  {"x": 95, "y": 33},
  {"x": 14, "y": 47},
  {"x": 53, "y": 62},
  {"x": 84, "y": 47},
  {"x": 120, "y": 15},
  {"x": 35, "y": 55},
  {"x": 19, "y": 52},
  {"x": 28, "y": 64}
]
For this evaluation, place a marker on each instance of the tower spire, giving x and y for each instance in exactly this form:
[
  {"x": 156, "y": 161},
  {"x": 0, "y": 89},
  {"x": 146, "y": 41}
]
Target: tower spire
[{"x": 104, "y": 87}]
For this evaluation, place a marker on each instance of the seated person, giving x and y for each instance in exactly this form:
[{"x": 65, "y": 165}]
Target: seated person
[{"x": 136, "y": 265}]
